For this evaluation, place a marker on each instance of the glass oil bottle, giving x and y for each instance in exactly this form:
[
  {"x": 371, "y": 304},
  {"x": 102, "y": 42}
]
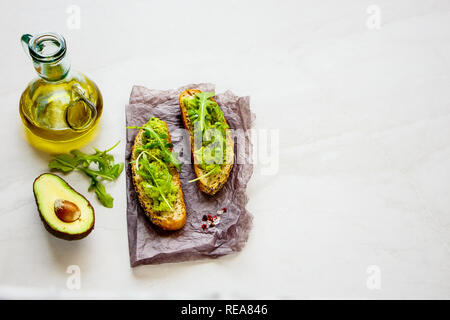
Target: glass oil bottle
[{"x": 61, "y": 108}]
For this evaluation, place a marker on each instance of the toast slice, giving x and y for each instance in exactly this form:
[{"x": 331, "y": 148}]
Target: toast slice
[
  {"x": 167, "y": 220},
  {"x": 213, "y": 183}
]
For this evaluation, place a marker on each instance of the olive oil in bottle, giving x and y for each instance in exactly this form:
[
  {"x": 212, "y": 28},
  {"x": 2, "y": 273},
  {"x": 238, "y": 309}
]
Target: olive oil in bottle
[{"x": 61, "y": 108}]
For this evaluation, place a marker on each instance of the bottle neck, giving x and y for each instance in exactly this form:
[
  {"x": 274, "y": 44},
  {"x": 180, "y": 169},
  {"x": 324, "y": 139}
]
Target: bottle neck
[
  {"x": 48, "y": 52},
  {"x": 52, "y": 71}
]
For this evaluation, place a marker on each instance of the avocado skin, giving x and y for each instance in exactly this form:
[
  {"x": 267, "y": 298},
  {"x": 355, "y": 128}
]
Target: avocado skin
[
  {"x": 59, "y": 234},
  {"x": 65, "y": 236}
]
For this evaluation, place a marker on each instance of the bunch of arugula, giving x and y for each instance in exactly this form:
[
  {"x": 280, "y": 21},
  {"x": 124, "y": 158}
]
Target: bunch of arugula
[{"x": 106, "y": 169}]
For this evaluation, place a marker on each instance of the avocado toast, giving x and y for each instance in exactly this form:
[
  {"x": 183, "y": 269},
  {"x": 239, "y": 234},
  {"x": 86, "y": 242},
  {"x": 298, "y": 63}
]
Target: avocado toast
[
  {"x": 212, "y": 145},
  {"x": 155, "y": 176}
]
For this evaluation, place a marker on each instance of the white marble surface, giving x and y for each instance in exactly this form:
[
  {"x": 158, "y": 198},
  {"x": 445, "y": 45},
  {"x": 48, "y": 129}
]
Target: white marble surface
[{"x": 364, "y": 125}]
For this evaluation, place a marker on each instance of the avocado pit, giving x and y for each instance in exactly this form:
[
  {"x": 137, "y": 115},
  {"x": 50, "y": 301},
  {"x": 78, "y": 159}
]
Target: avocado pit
[{"x": 66, "y": 211}]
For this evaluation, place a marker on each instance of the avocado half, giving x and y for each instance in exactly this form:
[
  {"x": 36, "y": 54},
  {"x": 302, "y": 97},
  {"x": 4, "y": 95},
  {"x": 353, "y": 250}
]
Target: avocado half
[{"x": 65, "y": 213}]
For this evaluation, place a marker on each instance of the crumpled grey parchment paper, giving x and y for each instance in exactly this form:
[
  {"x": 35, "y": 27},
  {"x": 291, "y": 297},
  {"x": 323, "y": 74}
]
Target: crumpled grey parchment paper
[{"x": 150, "y": 245}]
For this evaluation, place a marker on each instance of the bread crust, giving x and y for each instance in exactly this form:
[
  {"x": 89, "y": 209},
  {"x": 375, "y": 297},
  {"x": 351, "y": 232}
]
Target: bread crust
[
  {"x": 166, "y": 220},
  {"x": 213, "y": 183}
]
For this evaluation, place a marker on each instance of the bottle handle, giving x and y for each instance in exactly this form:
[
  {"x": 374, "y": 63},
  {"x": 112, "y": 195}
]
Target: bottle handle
[
  {"x": 25, "y": 40},
  {"x": 77, "y": 90}
]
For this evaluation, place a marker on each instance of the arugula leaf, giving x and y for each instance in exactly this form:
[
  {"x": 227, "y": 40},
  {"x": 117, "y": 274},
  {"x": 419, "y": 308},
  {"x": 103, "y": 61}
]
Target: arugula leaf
[
  {"x": 203, "y": 102},
  {"x": 105, "y": 198},
  {"x": 152, "y": 173},
  {"x": 106, "y": 169},
  {"x": 63, "y": 162}
]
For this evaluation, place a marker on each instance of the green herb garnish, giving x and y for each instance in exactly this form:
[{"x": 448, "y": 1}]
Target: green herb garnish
[
  {"x": 106, "y": 169},
  {"x": 154, "y": 158},
  {"x": 160, "y": 186},
  {"x": 207, "y": 122},
  {"x": 204, "y": 101},
  {"x": 164, "y": 146}
]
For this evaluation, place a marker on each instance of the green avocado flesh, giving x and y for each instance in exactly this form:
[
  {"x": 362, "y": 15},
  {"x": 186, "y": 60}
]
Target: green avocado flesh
[{"x": 49, "y": 188}]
